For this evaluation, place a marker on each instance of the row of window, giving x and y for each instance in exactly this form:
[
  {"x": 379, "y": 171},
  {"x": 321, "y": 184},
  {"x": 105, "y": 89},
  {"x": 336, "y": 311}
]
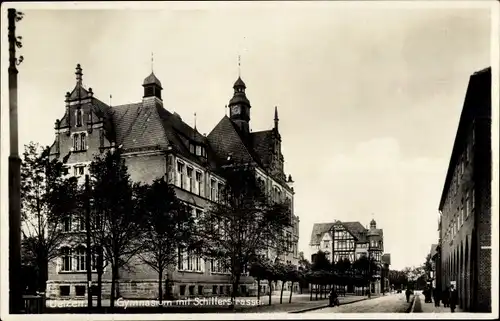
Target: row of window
[
  {"x": 192, "y": 180},
  {"x": 462, "y": 213},
  {"x": 80, "y": 290},
  {"x": 79, "y": 141},
  {"x": 75, "y": 260},
  {"x": 460, "y": 169},
  {"x": 197, "y": 150}
]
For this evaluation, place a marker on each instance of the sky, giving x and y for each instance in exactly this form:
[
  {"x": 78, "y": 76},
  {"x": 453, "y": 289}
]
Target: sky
[{"x": 369, "y": 95}]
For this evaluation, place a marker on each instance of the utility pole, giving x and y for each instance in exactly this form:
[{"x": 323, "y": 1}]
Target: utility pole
[
  {"x": 88, "y": 261},
  {"x": 15, "y": 295}
]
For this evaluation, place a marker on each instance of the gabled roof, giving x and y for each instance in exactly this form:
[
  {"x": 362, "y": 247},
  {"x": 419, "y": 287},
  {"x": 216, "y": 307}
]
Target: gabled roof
[
  {"x": 357, "y": 230},
  {"x": 319, "y": 229},
  {"x": 226, "y": 139},
  {"x": 262, "y": 144}
]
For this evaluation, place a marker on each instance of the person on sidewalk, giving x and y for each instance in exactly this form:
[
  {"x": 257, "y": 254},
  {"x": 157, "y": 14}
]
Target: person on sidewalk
[
  {"x": 437, "y": 297},
  {"x": 408, "y": 293},
  {"x": 334, "y": 298},
  {"x": 453, "y": 298},
  {"x": 446, "y": 297}
]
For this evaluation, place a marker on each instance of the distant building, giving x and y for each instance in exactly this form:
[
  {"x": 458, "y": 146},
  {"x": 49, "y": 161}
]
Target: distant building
[
  {"x": 465, "y": 206},
  {"x": 350, "y": 240},
  {"x": 158, "y": 143},
  {"x": 434, "y": 254}
]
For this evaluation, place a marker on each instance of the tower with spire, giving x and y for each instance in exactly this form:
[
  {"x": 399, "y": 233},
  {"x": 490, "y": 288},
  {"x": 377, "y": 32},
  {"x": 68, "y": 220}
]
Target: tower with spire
[{"x": 239, "y": 107}]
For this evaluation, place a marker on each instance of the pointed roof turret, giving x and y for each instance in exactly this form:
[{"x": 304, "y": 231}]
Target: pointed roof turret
[{"x": 152, "y": 80}]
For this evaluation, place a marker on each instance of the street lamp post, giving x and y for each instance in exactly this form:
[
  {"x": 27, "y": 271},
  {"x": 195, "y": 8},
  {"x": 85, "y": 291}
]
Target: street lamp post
[{"x": 15, "y": 297}]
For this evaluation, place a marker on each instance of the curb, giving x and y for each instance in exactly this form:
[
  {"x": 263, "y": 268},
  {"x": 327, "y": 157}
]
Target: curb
[{"x": 326, "y": 306}]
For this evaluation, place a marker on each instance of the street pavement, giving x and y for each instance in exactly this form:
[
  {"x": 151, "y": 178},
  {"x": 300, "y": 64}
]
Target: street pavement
[
  {"x": 389, "y": 303},
  {"x": 422, "y": 307}
]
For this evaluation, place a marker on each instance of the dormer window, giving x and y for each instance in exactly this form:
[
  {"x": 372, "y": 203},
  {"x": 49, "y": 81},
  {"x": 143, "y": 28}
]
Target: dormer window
[{"x": 197, "y": 150}]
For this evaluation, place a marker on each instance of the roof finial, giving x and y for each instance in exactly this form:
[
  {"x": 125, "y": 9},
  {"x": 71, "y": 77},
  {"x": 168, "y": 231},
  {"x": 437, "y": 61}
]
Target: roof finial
[
  {"x": 276, "y": 119},
  {"x": 239, "y": 65},
  {"x": 110, "y": 97},
  {"x": 195, "y": 121},
  {"x": 79, "y": 74},
  {"x": 152, "y": 61},
  {"x": 225, "y": 110}
]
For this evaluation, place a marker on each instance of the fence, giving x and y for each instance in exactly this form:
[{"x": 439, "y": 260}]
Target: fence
[{"x": 33, "y": 304}]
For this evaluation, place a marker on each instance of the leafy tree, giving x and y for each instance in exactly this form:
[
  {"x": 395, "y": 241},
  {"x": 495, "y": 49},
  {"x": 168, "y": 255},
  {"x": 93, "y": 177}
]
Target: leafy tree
[
  {"x": 321, "y": 268},
  {"x": 47, "y": 200},
  {"x": 243, "y": 224},
  {"x": 271, "y": 277},
  {"x": 281, "y": 275},
  {"x": 303, "y": 268},
  {"x": 258, "y": 270},
  {"x": 366, "y": 268},
  {"x": 167, "y": 226},
  {"x": 292, "y": 275},
  {"x": 115, "y": 217}
]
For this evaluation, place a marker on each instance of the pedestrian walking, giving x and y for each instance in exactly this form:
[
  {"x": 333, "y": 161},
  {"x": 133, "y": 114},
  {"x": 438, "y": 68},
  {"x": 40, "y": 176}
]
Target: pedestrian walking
[
  {"x": 408, "y": 292},
  {"x": 453, "y": 298},
  {"x": 334, "y": 298},
  {"x": 437, "y": 296}
]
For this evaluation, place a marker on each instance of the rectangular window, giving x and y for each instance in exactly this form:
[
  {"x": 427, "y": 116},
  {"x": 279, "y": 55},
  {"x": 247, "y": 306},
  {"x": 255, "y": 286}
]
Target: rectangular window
[
  {"x": 191, "y": 290},
  {"x": 213, "y": 192},
  {"x": 198, "y": 186},
  {"x": 67, "y": 224},
  {"x": 76, "y": 143},
  {"x": 83, "y": 141},
  {"x": 462, "y": 215},
  {"x": 200, "y": 289},
  {"x": 80, "y": 290},
  {"x": 180, "y": 174},
  {"x": 189, "y": 179},
  {"x": 64, "y": 290},
  {"x": 180, "y": 260},
  {"x": 183, "y": 289},
  {"x": 214, "y": 289}
]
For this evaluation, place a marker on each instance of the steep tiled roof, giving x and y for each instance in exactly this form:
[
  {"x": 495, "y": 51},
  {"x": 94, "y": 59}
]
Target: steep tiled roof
[
  {"x": 225, "y": 138},
  {"x": 262, "y": 143},
  {"x": 319, "y": 229},
  {"x": 357, "y": 230}
]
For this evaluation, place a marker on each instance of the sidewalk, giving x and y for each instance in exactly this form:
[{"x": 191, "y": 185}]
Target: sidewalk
[{"x": 422, "y": 307}]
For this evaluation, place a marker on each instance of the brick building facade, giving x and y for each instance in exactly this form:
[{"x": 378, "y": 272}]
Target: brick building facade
[
  {"x": 350, "y": 240},
  {"x": 157, "y": 143},
  {"x": 465, "y": 207}
]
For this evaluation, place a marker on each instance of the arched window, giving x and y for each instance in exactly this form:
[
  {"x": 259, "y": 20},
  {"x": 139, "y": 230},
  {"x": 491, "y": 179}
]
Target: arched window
[
  {"x": 66, "y": 259},
  {"x": 83, "y": 141},
  {"x": 80, "y": 257},
  {"x": 79, "y": 117}
]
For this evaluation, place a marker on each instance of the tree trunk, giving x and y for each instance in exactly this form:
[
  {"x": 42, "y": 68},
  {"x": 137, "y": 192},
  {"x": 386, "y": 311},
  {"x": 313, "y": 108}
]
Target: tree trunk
[
  {"x": 236, "y": 283},
  {"x": 270, "y": 283},
  {"x": 42, "y": 275},
  {"x": 114, "y": 274},
  {"x": 282, "y": 288},
  {"x": 258, "y": 291},
  {"x": 311, "y": 293},
  {"x": 317, "y": 291},
  {"x": 291, "y": 291},
  {"x": 99, "y": 288},
  {"x": 160, "y": 286},
  {"x": 100, "y": 272}
]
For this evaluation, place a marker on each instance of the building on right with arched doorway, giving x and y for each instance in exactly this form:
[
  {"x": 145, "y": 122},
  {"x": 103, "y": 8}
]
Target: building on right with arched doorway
[{"x": 464, "y": 251}]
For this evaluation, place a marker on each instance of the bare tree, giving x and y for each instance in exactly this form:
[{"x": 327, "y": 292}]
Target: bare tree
[
  {"x": 47, "y": 200},
  {"x": 168, "y": 225},
  {"x": 115, "y": 218},
  {"x": 242, "y": 225}
]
